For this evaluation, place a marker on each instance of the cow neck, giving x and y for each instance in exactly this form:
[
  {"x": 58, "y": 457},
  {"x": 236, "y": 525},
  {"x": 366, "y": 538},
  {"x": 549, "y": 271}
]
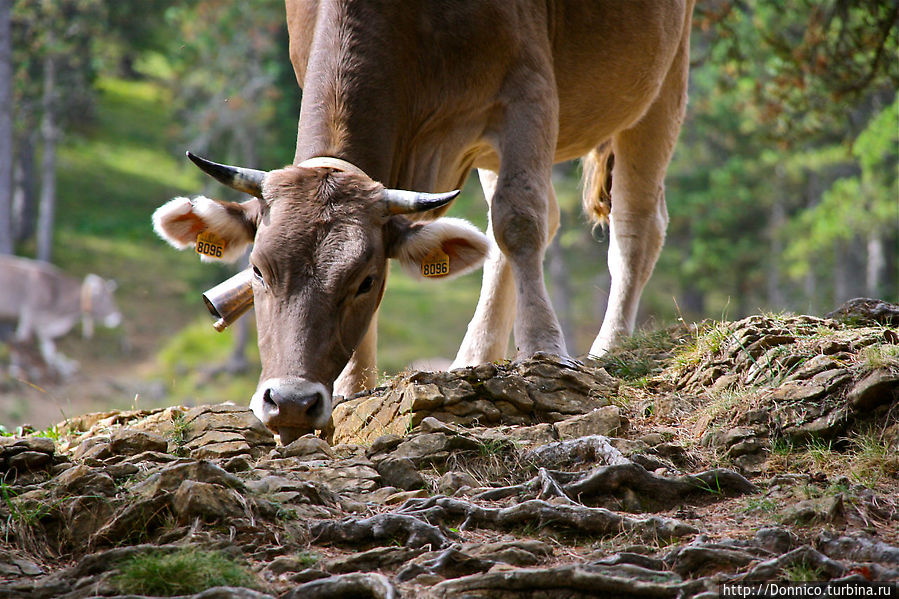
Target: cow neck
[{"x": 331, "y": 162}]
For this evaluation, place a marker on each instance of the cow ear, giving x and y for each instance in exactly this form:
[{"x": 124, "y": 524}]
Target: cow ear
[
  {"x": 444, "y": 248},
  {"x": 226, "y": 228}
]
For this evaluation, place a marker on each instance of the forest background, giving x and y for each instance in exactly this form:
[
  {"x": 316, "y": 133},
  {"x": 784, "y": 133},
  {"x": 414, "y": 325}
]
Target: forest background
[{"x": 782, "y": 194}]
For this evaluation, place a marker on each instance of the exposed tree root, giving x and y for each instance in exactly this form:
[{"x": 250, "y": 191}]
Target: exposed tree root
[
  {"x": 655, "y": 492},
  {"x": 386, "y": 528},
  {"x": 566, "y": 581},
  {"x": 368, "y": 585},
  {"x": 801, "y": 556},
  {"x": 569, "y": 518},
  {"x": 660, "y": 491}
]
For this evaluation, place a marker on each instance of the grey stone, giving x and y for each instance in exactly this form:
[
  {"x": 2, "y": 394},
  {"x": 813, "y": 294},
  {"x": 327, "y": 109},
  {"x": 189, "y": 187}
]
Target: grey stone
[
  {"x": 432, "y": 447},
  {"x": 13, "y": 445},
  {"x": 307, "y": 446},
  {"x": 454, "y": 480},
  {"x": 512, "y": 390},
  {"x": 82, "y": 480},
  {"x": 865, "y": 310},
  {"x": 206, "y": 501},
  {"x": 401, "y": 473},
  {"x": 132, "y": 442},
  {"x": 594, "y": 449},
  {"x": 384, "y": 443},
  {"x": 356, "y": 476},
  {"x": 776, "y": 540},
  {"x": 170, "y": 477},
  {"x": 95, "y": 447},
  {"x": 84, "y": 516},
  {"x": 876, "y": 388},
  {"x": 606, "y": 421},
  {"x": 29, "y": 460}
]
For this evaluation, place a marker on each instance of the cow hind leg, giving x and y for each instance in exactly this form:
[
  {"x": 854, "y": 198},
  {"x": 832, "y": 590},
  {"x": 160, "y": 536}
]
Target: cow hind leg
[{"x": 639, "y": 217}]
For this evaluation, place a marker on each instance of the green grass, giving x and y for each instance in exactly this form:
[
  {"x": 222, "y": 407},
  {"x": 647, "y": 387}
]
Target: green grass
[
  {"x": 178, "y": 436},
  {"x": 639, "y": 356},
  {"x": 803, "y": 573},
  {"x": 711, "y": 337},
  {"x": 761, "y": 505},
  {"x": 51, "y": 432},
  {"x": 874, "y": 357},
  {"x": 183, "y": 572},
  {"x": 866, "y": 456},
  {"x": 307, "y": 559}
]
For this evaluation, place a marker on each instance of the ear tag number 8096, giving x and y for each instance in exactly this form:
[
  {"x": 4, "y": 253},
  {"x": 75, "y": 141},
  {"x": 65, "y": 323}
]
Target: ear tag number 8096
[
  {"x": 209, "y": 244},
  {"x": 435, "y": 264}
]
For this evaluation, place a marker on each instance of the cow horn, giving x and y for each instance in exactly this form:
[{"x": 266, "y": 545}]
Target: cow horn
[
  {"x": 246, "y": 180},
  {"x": 400, "y": 201}
]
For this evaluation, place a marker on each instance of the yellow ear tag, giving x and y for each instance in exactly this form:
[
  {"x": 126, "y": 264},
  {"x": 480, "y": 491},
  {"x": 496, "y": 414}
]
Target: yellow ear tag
[
  {"x": 210, "y": 244},
  {"x": 435, "y": 264}
]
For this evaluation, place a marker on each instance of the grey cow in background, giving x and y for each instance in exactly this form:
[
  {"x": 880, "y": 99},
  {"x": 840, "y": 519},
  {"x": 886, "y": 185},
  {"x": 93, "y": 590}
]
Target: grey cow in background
[{"x": 44, "y": 303}]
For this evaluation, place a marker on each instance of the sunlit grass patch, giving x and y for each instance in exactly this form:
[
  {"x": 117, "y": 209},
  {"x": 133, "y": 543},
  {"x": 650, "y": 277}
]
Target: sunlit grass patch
[
  {"x": 877, "y": 356},
  {"x": 710, "y": 339}
]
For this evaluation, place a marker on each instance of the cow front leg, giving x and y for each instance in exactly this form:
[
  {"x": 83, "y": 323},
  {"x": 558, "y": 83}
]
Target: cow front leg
[
  {"x": 487, "y": 337},
  {"x": 524, "y": 215},
  {"x": 521, "y": 231},
  {"x": 361, "y": 372}
]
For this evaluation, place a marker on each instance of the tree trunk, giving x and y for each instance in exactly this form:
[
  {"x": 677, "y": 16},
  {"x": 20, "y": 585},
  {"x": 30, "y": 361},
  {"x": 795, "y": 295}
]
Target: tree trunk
[
  {"x": 6, "y": 130},
  {"x": 25, "y": 202},
  {"x": 776, "y": 219},
  {"x": 692, "y": 301},
  {"x": 876, "y": 263},
  {"x": 49, "y": 136},
  {"x": 840, "y": 273}
]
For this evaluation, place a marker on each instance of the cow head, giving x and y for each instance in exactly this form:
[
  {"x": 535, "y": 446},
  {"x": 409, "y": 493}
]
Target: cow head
[
  {"x": 322, "y": 233},
  {"x": 98, "y": 304}
]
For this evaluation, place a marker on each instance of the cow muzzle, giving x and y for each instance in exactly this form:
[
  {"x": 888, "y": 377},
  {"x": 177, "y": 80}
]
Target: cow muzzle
[{"x": 291, "y": 406}]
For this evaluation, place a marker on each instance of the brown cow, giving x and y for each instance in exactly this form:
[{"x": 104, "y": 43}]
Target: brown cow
[{"x": 414, "y": 95}]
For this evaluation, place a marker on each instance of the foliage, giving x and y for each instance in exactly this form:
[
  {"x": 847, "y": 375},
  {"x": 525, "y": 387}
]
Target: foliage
[
  {"x": 226, "y": 66},
  {"x": 64, "y": 30},
  {"x": 182, "y": 572},
  {"x": 179, "y": 434},
  {"x": 187, "y": 362},
  {"x": 800, "y": 63},
  {"x": 861, "y": 205},
  {"x": 768, "y": 208}
]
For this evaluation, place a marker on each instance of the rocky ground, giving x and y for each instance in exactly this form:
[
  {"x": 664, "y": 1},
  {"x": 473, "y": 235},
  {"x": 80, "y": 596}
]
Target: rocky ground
[{"x": 760, "y": 450}]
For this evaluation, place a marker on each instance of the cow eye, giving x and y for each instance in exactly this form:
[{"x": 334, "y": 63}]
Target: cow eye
[
  {"x": 258, "y": 274},
  {"x": 366, "y": 285}
]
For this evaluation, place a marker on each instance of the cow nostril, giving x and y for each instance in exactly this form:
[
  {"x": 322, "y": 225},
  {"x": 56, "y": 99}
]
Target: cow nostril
[
  {"x": 268, "y": 400},
  {"x": 313, "y": 404}
]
